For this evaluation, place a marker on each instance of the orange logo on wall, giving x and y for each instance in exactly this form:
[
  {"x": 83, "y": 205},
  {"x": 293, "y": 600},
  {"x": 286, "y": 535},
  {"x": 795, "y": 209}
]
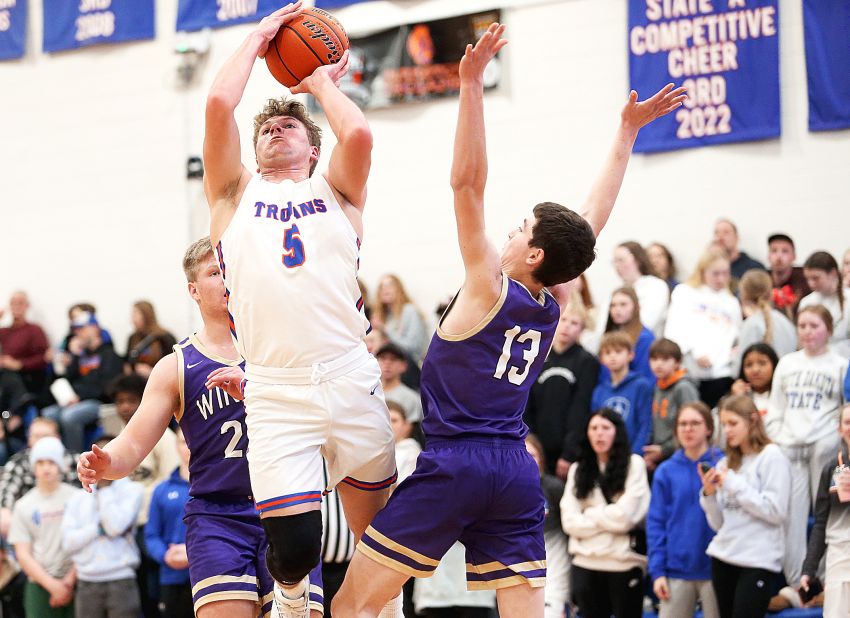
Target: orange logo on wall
[{"x": 420, "y": 45}]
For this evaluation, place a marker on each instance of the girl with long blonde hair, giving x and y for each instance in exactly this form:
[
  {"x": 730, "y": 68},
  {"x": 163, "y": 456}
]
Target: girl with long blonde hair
[
  {"x": 704, "y": 319},
  {"x": 399, "y": 319},
  {"x": 624, "y": 315},
  {"x": 746, "y": 499},
  {"x": 763, "y": 323}
]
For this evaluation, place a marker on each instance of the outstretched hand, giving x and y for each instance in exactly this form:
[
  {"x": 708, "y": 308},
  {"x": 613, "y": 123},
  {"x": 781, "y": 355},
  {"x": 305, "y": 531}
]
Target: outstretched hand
[
  {"x": 270, "y": 24},
  {"x": 475, "y": 59},
  {"x": 334, "y": 72},
  {"x": 92, "y": 466},
  {"x": 637, "y": 114},
  {"x": 228, "y": 379}
]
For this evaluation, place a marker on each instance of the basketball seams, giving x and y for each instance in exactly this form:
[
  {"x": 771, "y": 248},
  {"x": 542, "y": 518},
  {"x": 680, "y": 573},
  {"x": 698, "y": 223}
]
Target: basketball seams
[
  {"x": 283, "y": 63},
  {"x": 322, "y": 34},
  {"x": 306, "y": 44}
]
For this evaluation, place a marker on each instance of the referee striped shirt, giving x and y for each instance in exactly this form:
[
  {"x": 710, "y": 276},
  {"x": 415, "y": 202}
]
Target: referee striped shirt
[{"x": 337, "y": 539}]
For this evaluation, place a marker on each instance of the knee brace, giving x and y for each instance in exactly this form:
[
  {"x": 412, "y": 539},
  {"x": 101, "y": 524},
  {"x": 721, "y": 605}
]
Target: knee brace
[{"x": 295, "y": 545}]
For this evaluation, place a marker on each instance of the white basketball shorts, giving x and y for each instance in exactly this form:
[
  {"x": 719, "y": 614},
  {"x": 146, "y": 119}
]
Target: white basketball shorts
[{"x": 334, "y": 410}]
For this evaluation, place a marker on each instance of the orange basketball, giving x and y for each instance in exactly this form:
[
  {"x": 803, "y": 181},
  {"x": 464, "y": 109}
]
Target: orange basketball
[{"x": 313, "y": 39}]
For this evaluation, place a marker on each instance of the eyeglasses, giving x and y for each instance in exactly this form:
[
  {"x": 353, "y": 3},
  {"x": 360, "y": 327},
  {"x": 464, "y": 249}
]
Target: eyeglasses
[{"x": 690, "y": 424}]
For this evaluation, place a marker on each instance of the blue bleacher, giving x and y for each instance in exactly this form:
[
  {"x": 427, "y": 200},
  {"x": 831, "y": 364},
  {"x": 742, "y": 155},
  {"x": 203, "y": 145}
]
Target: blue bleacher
[{"x": 814, "y": 612}]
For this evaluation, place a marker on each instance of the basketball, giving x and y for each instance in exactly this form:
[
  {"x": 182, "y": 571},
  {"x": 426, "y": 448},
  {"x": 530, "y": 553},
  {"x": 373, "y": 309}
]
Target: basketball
[{"x": 314, "y": 39}]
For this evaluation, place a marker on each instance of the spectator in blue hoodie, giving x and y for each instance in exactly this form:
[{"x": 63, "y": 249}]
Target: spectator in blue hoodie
[
  {"x": 165, "y": 537},
  {"x": 624, "y": 316},
  {"x": 677, "y": 532},
  {"x": 624, "y": 391}
]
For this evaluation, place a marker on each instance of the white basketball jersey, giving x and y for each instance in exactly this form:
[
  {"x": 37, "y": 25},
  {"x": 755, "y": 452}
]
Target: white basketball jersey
[{"x": 289, "y": 259}]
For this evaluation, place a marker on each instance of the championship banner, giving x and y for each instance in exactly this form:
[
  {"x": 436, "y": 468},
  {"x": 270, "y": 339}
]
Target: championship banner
[
  {"x": 71, "y": 24},
  {"x": 198, "y": 14},
  {"x": 415, "y": 62},
  {"x": 827, "y": 34},
  {"x": 13, "y": 28},
  {"x": 725, "y": 52}
]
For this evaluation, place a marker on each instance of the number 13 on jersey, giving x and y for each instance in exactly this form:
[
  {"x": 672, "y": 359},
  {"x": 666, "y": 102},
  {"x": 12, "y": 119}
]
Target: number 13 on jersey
[{"x": 515, "y": 376}]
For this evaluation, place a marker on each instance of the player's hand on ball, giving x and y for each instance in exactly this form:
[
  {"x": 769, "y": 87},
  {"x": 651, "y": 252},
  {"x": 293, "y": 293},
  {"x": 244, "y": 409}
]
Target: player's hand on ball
[
  {"x": 637, "y": 114},
  {"x": 270, "y": 24},
  {"x": 334, "y": 72},
  {"x": 475, "y": 59},
  {"x": 92, "y": 466},
  {"x": 228, "y": 379}
]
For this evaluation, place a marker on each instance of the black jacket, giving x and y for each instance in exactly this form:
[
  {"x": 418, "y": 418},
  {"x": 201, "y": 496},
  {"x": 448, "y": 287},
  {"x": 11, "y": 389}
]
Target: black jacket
[
  {"x": 559, "y": 402},
  {"x": 92, "y": 371}
]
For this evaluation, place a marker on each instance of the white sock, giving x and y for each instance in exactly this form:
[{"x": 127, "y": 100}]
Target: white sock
[
  {"x": 295, "y": 591},
  {"x": 393, "y": 609},
  {"x": 791, "y": 595}
]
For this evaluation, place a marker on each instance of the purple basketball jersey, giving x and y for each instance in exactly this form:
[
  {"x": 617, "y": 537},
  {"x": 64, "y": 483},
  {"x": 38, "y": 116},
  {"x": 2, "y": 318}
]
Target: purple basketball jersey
[
  {"x": 213, "y": 424},
  {"x": 477, "y": 384}
]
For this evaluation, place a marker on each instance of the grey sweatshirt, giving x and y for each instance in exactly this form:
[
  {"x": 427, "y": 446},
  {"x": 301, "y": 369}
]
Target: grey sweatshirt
[{"x": 749, "y": 511}]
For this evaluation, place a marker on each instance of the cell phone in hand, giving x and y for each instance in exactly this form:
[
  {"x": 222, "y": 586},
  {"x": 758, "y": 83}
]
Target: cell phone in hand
[
  {"x": 704, "y": 467},
  {"x": 815, "y": 588}
]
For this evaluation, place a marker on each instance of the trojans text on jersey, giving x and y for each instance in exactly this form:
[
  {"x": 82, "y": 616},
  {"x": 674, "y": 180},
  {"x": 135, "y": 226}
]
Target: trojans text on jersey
[{"x": 285, "y": 213}]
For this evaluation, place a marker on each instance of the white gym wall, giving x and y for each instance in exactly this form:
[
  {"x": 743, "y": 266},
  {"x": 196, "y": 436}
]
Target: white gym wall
[{"x": 96, "y": 205}]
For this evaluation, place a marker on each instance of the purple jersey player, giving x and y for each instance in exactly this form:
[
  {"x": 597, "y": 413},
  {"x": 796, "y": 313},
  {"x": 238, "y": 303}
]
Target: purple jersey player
[
  {"x": 225, "y": 542},
  {"x": 475, "y": 482}
]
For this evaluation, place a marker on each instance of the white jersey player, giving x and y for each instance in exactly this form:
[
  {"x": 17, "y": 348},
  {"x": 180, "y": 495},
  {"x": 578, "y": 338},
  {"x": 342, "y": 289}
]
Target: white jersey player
[{"x": 288, "y": 244}]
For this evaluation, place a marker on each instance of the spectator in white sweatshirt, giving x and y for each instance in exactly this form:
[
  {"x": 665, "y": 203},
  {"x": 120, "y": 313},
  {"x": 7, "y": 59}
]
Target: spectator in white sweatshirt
[
  {"x": 745, "y": 498},
  {"x": 704, "y": 319},
  {"x": 826, "y": 282},
  {"x": 603, "y": 511},
  {"x": 805, "y": 398},
  {"x": 635, "y": 270},
  {"x": 97, "y": 531}
]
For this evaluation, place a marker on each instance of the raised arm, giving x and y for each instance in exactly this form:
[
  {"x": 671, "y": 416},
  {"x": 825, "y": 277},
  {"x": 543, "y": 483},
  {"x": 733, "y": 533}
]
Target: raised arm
[
  {"x": 122, "y": 455},
  {"x": 223, "y": 170},
  {"x": 469, "y": 167},
  {"x": 597, "y": 208},
  {"x": 351, "y": 158}
]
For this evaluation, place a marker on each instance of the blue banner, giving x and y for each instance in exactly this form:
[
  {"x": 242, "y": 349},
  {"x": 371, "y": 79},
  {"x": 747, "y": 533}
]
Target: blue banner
[
  {"x": 335, "y": 4},
  {"x": 827, "y": 29},
  {"x": 726, "y": 52},
  {"x": 197, "y": 14},
  {"x": 71, "y": 24},
  {"x": 13, "y": 28}
]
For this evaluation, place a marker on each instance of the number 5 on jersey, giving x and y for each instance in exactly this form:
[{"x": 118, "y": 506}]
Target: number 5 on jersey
[
  {"x": 515, "y": 376},
  {"x": 293, "y": 249}
]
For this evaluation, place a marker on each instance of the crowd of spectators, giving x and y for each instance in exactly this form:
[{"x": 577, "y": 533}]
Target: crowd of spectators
[
  {"x": 709, "y": 441},
  {"x": 685, "y": 438}
]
